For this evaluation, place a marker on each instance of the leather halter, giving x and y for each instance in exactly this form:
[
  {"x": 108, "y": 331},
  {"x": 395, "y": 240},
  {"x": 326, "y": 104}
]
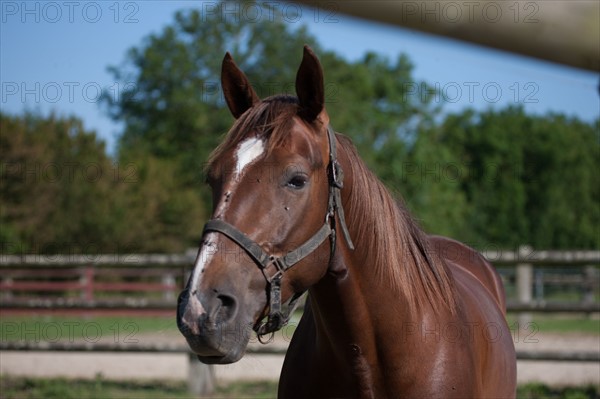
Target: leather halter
[{"x": 274, "y": 267}]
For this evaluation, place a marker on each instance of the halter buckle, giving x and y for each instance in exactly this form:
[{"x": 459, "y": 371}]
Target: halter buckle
[{"x": 279, "y": 265}]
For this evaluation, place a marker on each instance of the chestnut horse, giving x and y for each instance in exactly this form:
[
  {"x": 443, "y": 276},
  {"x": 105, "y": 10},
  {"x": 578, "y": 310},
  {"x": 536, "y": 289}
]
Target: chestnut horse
[{"x": 391, "y": 311}]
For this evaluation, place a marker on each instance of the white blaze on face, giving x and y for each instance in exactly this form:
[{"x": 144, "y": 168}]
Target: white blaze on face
[
  {"x": 207, "y": 251},
  {"x": 247, "y": 152}
]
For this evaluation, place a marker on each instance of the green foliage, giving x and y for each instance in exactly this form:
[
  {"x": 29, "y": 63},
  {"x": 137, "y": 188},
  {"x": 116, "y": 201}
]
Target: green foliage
[
  {"x": 502, "y": 179},
  {"x": 61, "y": 193},
  {"x": 525, "y": 179},
  {"x": 427, "y": 177},
  {"x": 56, "y": 184},
  {"x": 161, "y": 211}
]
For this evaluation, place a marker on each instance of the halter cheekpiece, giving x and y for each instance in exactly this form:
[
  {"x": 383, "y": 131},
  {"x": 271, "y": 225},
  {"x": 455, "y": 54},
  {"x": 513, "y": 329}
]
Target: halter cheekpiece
[{"x": 273, "y": 267}]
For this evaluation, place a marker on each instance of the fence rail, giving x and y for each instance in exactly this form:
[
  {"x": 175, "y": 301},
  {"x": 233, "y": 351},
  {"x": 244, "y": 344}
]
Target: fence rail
[
  {"x": 498, "y": 257},
  {"x": 70, "y": 260},
  {"x": 161, "y": 276}
]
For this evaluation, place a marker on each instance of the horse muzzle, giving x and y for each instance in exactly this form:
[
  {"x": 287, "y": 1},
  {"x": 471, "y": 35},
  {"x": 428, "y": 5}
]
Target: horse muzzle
[{"x": 210, "y": 325}]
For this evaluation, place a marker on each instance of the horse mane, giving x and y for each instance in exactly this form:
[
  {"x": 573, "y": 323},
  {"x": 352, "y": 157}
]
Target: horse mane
[
  {"x": 402, "y": 253},
  {"x": 414, "y": 268}
]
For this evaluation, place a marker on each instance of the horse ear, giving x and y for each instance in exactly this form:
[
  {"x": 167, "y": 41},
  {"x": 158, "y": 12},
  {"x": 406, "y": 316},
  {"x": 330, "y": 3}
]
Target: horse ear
[
  {"x": 309, "y": 86},
  {"x": 238, "y": 92}
]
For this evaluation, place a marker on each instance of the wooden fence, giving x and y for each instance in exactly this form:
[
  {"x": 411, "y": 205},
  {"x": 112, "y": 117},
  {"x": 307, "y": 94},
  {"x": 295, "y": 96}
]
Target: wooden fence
[
  {"x": 148, "y": 284},
  {"x": 95, "y": 285},
  {"x": 119, "y": 284}
]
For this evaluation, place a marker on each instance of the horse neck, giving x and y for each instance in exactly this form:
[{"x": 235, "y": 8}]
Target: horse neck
[
  {"x": 350, "y": 311},
  {"x": 351, "y": 305},
  {"x": 350, "y": 297}
]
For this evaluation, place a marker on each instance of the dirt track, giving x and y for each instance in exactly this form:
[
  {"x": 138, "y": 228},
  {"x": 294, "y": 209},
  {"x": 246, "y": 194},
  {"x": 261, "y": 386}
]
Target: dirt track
[{"x": 251, "y": 367}]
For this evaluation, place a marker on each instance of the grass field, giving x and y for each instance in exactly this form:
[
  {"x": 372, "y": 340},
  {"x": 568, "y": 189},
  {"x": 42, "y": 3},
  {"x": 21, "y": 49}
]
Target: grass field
[
  {"x": 55, "y": 328},
  {"x": 563, "y": 323},
  {"x": 27, "y": 388},
  {"x": 126, "y": 329}
]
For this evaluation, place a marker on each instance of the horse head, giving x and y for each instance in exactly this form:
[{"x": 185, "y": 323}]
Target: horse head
[{"x": 275, "y": 189}]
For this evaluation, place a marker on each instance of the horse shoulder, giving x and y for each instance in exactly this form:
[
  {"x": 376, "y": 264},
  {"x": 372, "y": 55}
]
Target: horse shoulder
[
  {"x": 483, "y": 311},
  {"x": 459, "y": 255}
]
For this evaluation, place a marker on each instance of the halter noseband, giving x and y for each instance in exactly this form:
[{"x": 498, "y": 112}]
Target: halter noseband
[{"x": 273, "y": 267}]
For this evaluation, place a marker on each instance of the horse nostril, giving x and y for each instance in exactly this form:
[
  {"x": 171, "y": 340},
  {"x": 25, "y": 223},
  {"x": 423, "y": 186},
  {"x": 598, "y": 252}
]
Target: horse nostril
[
  {"x": 227, "y": 308},
  {"x": 226, "y": 300}
]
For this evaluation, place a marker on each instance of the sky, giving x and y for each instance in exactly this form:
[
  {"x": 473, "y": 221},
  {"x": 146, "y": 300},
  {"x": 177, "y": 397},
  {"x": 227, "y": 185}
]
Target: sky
[{"x": 54, "y": 57}]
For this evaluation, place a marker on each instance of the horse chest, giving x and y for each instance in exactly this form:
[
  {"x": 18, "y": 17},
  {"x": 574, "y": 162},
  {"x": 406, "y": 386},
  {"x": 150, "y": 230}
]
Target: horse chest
[
  {"x": 363, "y": 373},
  {"x": 315, "y": 370}
]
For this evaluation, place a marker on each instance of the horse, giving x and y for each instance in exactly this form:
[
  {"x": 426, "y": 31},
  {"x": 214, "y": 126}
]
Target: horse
[{"x": 391, "y": 311}]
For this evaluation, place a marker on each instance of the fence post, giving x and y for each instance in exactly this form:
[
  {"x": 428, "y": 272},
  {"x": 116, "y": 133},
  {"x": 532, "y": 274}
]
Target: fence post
[
  {"x": 524, "y": 284},
  {"x": 7, "y": 294},
  {"x": 539, "y": 285},
  {"x": 169, "y": 280},
  {"x": 588, "y": 284},
  {"x": 201, "y": 377},
  {"x": 87, "y": 282}
]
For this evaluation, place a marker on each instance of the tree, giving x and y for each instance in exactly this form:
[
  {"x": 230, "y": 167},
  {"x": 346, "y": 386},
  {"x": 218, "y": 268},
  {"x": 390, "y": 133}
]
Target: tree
[
  {"x": 161, "y": 211},
  {"x": 527, "y": 179},
  {"x": 61, "y": 193},
  {"x": 55, "y": 185},
  {"x": 430, "y": 180}
]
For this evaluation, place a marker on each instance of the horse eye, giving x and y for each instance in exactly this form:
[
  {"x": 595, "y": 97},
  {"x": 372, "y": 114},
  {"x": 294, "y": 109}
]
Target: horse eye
[{"x": 297, "y": 182}]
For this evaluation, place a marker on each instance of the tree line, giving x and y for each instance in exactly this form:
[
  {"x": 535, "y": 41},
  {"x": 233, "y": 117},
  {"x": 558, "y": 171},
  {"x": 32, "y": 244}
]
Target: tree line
[{"x": 497, "y": 178}]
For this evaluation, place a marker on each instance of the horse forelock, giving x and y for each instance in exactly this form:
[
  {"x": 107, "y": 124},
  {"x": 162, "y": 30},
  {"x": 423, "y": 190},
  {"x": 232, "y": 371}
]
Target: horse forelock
[{"x": 271, "y": 120}]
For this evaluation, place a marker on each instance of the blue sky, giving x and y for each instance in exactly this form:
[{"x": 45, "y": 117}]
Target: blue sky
[{"x": 54, "y": 56}]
